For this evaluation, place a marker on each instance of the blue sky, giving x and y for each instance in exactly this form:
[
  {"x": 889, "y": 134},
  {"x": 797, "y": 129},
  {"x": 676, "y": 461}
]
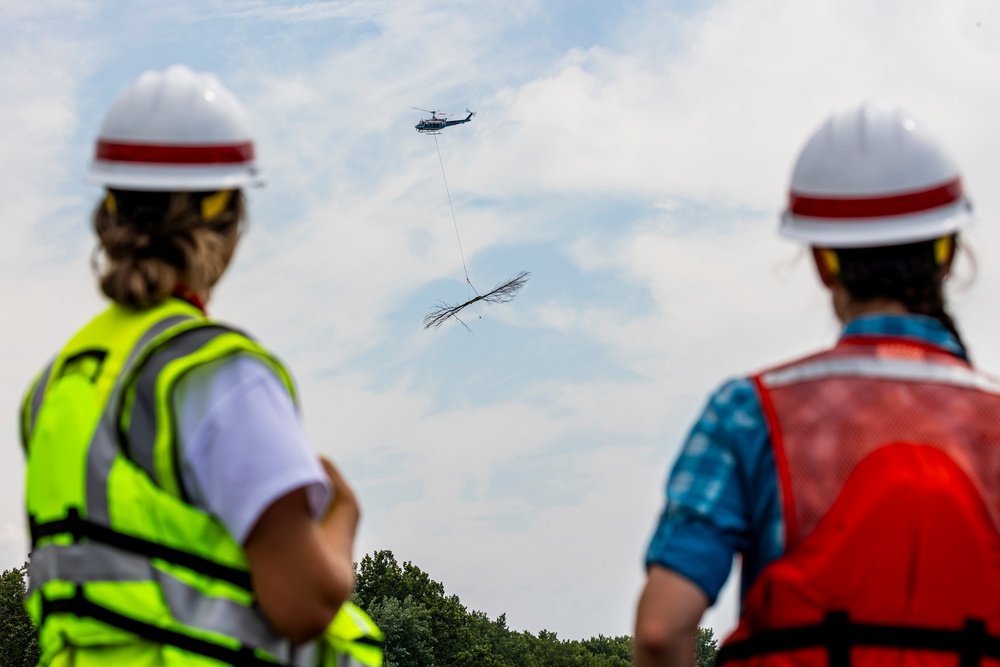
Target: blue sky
[{"x": 632, "y": 156}]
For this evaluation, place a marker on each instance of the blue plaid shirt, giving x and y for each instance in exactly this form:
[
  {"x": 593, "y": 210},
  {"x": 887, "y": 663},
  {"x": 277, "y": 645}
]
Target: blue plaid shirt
[{"x": 722, "y": 495}]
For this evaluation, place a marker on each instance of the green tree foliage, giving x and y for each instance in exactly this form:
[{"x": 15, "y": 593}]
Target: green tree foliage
[
  {"x": 618, "y": 650},
  {"x": 18, "y": 637},
  {"x": 494, "y": 635},
  {"x": 381, "y": 577},
  {"x": 409, "y": 625},
  {"x": 550, "y": 651},
  {"x": 425, "y": 627},
  {"x": 705, "y": 648}
]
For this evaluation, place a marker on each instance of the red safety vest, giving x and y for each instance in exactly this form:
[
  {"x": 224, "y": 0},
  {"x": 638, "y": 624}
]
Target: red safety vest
[{"x": 888, "y": 462}]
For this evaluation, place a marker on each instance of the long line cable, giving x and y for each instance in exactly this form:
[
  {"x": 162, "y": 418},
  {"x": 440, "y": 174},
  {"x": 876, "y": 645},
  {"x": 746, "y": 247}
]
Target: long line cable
[{"x": 454, "y": 220}]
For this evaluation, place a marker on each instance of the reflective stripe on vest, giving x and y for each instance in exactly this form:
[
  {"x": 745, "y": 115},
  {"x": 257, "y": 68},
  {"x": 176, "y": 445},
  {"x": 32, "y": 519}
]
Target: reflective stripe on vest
[
  {"x": 97, "y": 562},
  {"x": 151, "y": 429},
  {"x": 886, "y": 369},
  {"x": 887, "y": 456},
  {"x": 33, "y": 403},
  {"x": 104, "y": 447},
  {"x": 142, "y": 430},
  {"x": 81, "y": 529},
  {"x": 205, "y": 586}
]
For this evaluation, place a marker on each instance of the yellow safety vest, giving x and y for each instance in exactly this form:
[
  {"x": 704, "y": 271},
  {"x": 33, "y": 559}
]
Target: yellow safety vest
[{"x": 120, "y": 557}]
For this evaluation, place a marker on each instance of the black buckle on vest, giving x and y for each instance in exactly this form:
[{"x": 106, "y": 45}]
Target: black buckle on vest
[
  {"x": 63, "y": 605},
  {"x": 974, "y": 643},
  {"x": 838, "y": 638},
  {"x": 368, "y": 641},
  {"x": 73, "y": 524}
]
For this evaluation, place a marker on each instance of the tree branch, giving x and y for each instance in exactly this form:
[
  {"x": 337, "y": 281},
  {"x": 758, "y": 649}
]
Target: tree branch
[{"x": 502, "y": 293}]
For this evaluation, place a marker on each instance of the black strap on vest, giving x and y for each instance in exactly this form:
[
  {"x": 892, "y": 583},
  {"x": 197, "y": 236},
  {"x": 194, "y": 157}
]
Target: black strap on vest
[
  {"x": 368, "y": 641},
  {"x": 80, "y": 606},
  {"x": 82, "y": 529},
  {"x": 838, "y": 635}
]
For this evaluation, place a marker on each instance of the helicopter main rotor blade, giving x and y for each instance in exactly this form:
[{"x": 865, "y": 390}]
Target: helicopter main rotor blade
[{"x": 435, "y": 113}]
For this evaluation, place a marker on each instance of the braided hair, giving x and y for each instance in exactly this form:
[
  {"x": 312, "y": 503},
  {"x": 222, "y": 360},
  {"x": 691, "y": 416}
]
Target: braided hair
[{"x": 912, "y": 274}]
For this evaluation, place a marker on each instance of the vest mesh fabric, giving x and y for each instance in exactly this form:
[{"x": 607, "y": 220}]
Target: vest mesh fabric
[{"x": 888, "y": 458}]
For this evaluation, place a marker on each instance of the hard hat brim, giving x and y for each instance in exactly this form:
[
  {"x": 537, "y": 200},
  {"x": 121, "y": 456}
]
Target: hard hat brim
[
  {"x": 877, "y": 232},
  {"x": 174, "y": 178}
]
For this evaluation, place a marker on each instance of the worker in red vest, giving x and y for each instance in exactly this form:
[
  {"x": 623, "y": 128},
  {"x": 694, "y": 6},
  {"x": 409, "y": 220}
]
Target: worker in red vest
[{"x": 861, "y": 485}]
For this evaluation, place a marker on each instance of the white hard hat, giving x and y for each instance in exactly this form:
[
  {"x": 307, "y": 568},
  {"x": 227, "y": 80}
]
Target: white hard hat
[
  {"x": 874, "y": 176},
  {"x": 175, "y": 131}
]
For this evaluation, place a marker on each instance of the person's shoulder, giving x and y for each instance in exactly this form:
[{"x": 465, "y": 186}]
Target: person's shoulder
[
  {"x": 249, "y": 348},
  {"x": 213, "y": 376},
  {"x": 234, "y": 370},
  {"x": 735, "y": 405},
  {"x": 732, "y": 423},
  {"x": 733, "y": 390}
]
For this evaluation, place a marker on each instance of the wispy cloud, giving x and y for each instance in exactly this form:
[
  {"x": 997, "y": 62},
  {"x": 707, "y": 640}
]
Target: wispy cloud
[
  {"x": 289, "y": 12},
  {"x": 43, "y": 244}
]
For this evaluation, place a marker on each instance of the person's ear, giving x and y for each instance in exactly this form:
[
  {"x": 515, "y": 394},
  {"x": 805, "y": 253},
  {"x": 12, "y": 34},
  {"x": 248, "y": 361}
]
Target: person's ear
[
  {"x": 827, "y": 265},
  {"x": 944, "y": 253}
]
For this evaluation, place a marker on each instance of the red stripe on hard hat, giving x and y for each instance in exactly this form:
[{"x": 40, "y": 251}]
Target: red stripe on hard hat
[
  {"x": 875, "y": 207},
  {"x": 160, "y": 154}
]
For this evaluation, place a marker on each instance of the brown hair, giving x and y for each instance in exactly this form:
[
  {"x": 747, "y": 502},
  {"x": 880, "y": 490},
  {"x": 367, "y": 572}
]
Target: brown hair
[{"x": 149, "y": 243}]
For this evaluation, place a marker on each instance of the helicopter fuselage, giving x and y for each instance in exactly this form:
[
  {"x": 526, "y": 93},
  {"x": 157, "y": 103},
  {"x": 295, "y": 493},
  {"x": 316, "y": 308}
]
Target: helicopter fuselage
[{"x": 434, "y": 125}]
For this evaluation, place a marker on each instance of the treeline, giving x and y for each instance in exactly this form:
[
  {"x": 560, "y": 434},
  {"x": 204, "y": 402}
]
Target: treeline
[
  {"x": 424, "y": 626},
  {"x": 18, "y": 637}
]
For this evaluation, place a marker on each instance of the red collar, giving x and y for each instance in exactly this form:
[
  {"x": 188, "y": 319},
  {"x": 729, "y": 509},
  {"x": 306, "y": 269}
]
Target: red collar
[{"x": 184, "y": 293}]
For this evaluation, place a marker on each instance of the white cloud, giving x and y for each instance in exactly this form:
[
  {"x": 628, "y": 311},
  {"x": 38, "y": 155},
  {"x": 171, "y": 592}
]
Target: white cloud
[
  {"x": 30, "y": 10},
  {"x": 717, "y": 113},
  {"x": 43, "y": 259},
  {"x": 304, "y": 12},
  {"x": 13, "y": 545}
]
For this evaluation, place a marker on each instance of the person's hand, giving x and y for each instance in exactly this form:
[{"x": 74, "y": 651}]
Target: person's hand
[{"x": 345, "y": 503}]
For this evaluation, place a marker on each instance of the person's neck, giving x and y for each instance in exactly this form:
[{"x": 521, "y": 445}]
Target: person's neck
[
  {"x": 849, "y": 308},
  {"x": 196, "y": 299}
]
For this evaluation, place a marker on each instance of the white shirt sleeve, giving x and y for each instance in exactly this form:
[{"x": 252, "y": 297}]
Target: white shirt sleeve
[{"x": 242, "y": 446}]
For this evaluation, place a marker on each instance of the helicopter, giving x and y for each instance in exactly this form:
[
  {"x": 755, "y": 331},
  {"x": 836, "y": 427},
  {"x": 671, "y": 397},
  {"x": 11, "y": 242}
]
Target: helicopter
[{"x": 438, "y": 122}]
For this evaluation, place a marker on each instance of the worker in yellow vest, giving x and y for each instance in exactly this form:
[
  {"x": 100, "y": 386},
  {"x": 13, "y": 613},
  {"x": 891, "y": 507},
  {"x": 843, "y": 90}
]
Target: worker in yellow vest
[{"x": 178, "y": 515}]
